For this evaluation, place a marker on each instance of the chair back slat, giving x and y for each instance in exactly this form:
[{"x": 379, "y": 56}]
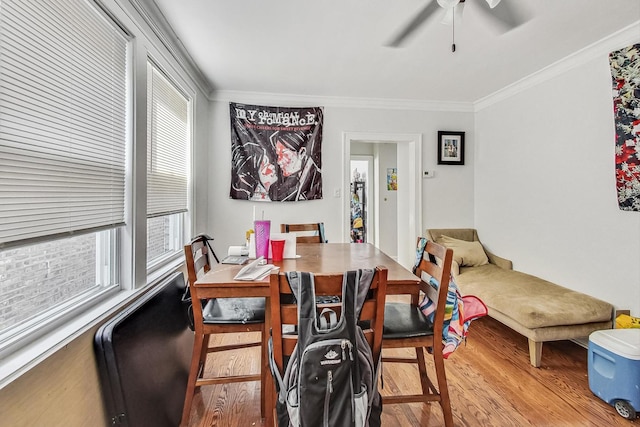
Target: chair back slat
[
  {"x": 201, "y": 265},
  {"x": 308, "y": 239},
  {"x": 288, "y": 344},
  {"x": 198, "y": 245},
  {"x": 313, "y": 232},
  {"x": 197, "y": 258},
  {"x": 431, "y": 293},
  {"x": 289, "y": 314}
]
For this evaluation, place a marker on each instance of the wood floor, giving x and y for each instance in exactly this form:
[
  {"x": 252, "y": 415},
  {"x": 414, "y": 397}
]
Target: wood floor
[{"x": 491, "y": 383}]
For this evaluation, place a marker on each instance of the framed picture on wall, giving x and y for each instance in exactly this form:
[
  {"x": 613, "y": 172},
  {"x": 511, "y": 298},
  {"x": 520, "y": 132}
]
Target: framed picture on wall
[{"x": 450, "y": 148}]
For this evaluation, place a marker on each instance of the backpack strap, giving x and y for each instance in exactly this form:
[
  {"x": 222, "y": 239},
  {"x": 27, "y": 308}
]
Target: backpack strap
[
  {"x": 328, "y": 318},
  {"x": 350, "y": 284},
  {"x": 355, "y": 287},
  {"x": 275, "y": 372},
  {"x": 333, "y": 319},
  {"x": 303, "y": 289}
]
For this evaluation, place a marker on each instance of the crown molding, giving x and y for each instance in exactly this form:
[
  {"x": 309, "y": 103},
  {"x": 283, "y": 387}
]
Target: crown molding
[
  {"x": 340, "y": 102},
  {"x": 624, "y": 37},
  {"x": 153, "y": 17}
]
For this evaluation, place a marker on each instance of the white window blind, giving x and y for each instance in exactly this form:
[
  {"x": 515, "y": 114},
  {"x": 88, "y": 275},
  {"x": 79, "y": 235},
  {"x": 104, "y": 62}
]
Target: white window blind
[
  {"x": 167, "y": 145},
  {"x": 63, "y": 119}
]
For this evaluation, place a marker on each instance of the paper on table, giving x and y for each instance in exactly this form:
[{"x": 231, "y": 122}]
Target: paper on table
[{"x": 255, "y": 270}]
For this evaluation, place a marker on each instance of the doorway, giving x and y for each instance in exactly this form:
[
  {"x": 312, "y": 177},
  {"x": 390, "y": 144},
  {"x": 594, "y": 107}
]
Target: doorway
[
  {"x": 409, "y": 188},
  {"x": 361, "y": 196}
]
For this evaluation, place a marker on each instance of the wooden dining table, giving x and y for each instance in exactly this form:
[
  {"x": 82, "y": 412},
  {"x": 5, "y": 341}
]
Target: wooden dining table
[{"x": 311, "y": 257}]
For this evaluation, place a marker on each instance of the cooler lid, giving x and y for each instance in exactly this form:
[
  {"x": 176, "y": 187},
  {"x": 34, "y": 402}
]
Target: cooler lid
[{"x": 624, "y": 342}]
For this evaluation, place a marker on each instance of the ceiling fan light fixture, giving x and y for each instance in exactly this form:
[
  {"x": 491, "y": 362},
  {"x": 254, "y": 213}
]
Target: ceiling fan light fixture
[
  {"x": 447, "y": 16},
  {"x": 452, "y": 13},
  {"x": 491, "y": 3},
  {"x": 448, "y": 4}
]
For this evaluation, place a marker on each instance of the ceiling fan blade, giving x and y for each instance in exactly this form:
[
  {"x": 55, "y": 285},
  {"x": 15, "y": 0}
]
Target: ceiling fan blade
[
  {"x": 416, "y": 22},
  {"x": 504, "y": 13},
  {"x": 459, "y": 12}
]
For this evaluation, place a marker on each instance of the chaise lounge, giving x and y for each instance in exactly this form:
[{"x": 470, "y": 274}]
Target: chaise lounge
[{"x": 536, "y": 308}]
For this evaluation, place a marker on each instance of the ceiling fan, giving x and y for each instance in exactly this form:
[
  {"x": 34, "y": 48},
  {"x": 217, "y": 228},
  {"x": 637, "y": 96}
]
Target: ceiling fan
[{"x": 502, "y": 13}]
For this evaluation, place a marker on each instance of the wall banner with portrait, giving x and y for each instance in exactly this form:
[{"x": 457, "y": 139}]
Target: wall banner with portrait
[
  {"x": 625, "y": 73},
  {"x": 276, "y": 153}
]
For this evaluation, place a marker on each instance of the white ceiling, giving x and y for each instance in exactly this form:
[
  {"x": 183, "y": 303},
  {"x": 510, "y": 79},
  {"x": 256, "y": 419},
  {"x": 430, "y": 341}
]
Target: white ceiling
[{"x": 338, "y": 47}]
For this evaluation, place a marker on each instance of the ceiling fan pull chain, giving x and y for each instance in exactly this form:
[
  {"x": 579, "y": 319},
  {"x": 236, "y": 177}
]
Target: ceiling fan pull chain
[{"x": 453, "y": 33}]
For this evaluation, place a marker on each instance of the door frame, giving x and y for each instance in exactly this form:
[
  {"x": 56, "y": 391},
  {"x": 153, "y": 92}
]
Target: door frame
[{"x": 409, "y": 149}]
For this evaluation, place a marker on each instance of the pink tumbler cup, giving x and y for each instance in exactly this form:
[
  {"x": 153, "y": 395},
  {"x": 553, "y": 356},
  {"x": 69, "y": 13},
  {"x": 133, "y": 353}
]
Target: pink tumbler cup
[{"x": 263, "y": 231}]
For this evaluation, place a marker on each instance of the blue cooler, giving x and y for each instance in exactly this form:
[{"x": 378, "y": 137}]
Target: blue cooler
[{"x": 614, "y": 369}]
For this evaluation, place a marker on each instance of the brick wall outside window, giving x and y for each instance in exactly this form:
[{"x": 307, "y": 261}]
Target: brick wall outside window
[
  {"x": 37, "y": 277},
  {"x": 158, "y": 237}
]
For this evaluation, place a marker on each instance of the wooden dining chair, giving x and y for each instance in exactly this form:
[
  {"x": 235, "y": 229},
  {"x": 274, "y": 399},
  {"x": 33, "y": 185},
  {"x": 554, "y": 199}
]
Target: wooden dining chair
[
  {"x": 307, "y": 233},
  {"x": 219, "y": 316},
  {"x": 405, "y": 326},
  {"x": 284, "y": 312}
]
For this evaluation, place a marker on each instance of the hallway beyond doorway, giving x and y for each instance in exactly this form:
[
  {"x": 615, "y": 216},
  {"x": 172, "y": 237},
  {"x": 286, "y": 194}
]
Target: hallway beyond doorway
[{"x": 408, "y": 221}]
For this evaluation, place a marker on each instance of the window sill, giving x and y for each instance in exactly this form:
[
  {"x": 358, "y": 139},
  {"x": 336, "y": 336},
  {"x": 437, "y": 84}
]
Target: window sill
[
  {"x": 22, "y": 360},
  {"x": 27, "y": 357}
]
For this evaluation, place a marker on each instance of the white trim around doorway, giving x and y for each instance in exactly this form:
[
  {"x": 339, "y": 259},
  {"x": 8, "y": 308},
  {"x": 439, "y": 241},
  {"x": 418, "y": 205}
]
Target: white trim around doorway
[{"x": 409, "y": 186}]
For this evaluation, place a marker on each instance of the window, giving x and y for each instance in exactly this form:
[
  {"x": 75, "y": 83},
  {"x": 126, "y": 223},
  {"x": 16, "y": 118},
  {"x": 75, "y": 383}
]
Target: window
[
  {"x": 43, "y": 282},
  {"x": 168, "y": 136},
  {"x": 63, "y": 138},
  {"x": 164, "y": 236}
]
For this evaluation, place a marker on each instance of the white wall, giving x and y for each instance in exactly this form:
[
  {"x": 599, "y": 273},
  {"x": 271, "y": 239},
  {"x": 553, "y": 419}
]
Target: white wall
[
  {"x": 452, "y": 188},
  {"x": 388, "y": 213},
  {"x": 447, "y": 197},
  {"x": 200, "y": 161},
  {"x": 545, "y": 186}
]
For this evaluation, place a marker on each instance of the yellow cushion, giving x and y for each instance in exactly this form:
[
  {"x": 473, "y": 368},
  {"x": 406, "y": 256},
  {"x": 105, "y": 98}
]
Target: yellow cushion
[{"x": 465, "y": 254}]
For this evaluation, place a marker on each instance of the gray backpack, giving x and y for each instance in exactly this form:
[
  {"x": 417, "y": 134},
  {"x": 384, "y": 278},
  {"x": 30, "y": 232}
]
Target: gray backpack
[{"x": 331, "y": 377}]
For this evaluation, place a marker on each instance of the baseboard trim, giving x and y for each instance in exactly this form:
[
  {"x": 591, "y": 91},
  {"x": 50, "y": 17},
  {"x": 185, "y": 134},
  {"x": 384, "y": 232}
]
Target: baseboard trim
[{"x": 582, "y": 342}]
